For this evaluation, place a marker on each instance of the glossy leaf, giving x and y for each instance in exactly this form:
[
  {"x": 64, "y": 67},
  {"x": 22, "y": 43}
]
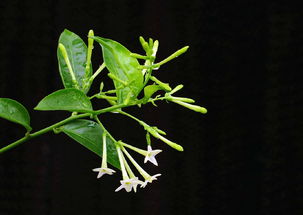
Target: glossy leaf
[
  {"x": 150, "y": 90},
  {"x": 123, "y": 67},
  {"x": 89, "y": 134},
  {"x": 66, "y": 99},
  {"x": 77, "y": 53},
  {"x": 15, "y": 112}
]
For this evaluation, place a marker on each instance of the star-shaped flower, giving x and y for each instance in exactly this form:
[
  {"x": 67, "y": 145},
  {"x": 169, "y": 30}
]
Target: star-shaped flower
[
  {"x": 146, "y": 176},
  {"x": 136, "y": 182},
  {"x": 150, "y": 156},
  {"x": 128, "y": 184},
  {"x": 150, "y": 180},
  {"x": 102, "y": 171}
]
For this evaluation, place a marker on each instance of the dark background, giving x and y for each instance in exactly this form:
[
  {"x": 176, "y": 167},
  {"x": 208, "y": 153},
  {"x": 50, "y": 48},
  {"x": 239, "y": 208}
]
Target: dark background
[{"x": 244, "y": 65}]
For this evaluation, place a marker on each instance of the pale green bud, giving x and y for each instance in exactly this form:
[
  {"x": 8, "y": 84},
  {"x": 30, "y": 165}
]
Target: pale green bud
[{"x": 192, "y": 107}]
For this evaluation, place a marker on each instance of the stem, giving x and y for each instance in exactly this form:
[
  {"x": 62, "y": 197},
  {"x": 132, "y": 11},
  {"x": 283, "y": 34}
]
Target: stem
[
  {"x": 131, "y": 116},
  {"x": 97, "y": 73},
  {"x": 138, "y": 167},
  {"x": 104, "y": 129},
  {"x": 114, "y": 98},
  {"x": 42, "y": 131},
  {"x": 14, "y": 144},
  {"x": 149, "y": 62},
  {"x": 109, "y": 109},
  {"x": 140, "y": 151},
  {"x": 71, "y": 118}
]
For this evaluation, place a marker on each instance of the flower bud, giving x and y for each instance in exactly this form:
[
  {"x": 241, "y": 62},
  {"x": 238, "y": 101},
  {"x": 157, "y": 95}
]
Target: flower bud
[
  {"x": 192, "y": 107},
  {"x": 177, "y": 88},
  {"x": 182, "y": 99}
]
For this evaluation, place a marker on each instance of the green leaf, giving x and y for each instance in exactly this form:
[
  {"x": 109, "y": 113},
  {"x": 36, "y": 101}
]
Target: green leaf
[
  {"x": 15, "y": 112},
  {"x": 123, "y": 67},
  {"x": 66, "y": 99},
  {"x": 89, "y": 134},
  {"x": 150, "y": 90},
  {"x": 77, "y": 53}
]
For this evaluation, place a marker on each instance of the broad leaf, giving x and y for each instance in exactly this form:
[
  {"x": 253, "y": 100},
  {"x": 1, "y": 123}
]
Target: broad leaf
[
  {"x": 150, "y": 90},
  {"x": 89, "y": 134},
  {"x": 66, "y": 99},
  {"x": 14, "y": 111},
  {"x": 122, "y": 66},
  {"x": 77, "y": 53}
]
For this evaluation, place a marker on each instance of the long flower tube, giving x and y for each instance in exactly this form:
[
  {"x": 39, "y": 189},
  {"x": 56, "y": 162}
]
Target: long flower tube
[
  {"x": 146, "y": 176},
  {"x": 149, "y": 154},
  {"x": 127, "y": 183},
  {"x": 104, "y": 169},
  {"x": 134, "y": 180}
]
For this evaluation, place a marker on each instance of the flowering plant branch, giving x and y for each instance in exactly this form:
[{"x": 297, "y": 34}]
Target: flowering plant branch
[{"x": 129, "y": 78}]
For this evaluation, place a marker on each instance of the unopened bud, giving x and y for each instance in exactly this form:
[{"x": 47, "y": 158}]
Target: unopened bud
[
  {"x": 192, "y": 107},
  {"x": 182, "y": 99},
  {"x": 174, "y": 55},
  {"x": 163, "y": 85},
  {"x": 177, "y": 88}
]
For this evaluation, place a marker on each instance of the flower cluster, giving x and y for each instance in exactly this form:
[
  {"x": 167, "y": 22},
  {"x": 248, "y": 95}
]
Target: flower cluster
[{"x": 129, "y": 180}]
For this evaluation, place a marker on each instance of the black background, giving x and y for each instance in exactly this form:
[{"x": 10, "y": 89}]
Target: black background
[{"x": 244, "y": 65}]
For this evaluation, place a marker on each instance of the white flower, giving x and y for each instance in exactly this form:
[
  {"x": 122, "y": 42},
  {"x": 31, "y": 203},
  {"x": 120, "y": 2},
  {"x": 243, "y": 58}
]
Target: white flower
[
  {"x": 146, "y": 176},
  {"x": 136, "y": 182},
  {"x": 102, "y": 171},
  {"x": 150, "y": 156},
  {"x": 150, "y": 179},
  {"x": 128, "y": 184}
]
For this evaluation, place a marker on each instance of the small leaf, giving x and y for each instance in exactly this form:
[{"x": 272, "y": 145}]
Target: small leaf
[
  {"x": 123, "y": 67},
  {"x": 66, "y": 99},
  {"x": 150, "y": 90},
  {"x": 15, "y": 112},
  {"x": 77, "y": 52},
  {"x": 89, "y": 134}
]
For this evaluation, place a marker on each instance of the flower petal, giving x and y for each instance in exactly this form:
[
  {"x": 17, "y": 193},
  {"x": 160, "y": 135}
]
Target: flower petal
[
  {"x": 96, "y": 169},
  {"x": 119, "y": 188},
  {"x": 151, "y": 155}
]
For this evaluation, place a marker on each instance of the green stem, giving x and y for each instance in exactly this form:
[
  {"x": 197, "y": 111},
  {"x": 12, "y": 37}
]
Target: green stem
[
  {"x": 71, "y": 118},
  {"x": 142, "y": 123},
  {"x": 14, "y": 144},
  {"x": 130, "y": 116},
  {"x": 104, "y": 129},
  {"x": 111, "y": 108},
  {"x": 140, "y": 151},
  {"x": 149, "y": 62},
  {"x": 97, "y": 73},
  {"x": 42, "y": 131}
]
